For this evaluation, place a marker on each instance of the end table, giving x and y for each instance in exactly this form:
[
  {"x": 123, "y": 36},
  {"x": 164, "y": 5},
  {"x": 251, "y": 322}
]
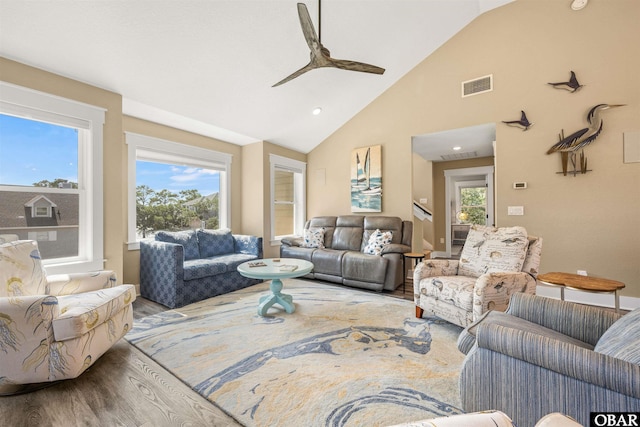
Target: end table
[{"x": 416, "y": 257}]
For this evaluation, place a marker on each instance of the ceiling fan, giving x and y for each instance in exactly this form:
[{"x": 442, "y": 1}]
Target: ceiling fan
[{"x": 320, "y": 55}]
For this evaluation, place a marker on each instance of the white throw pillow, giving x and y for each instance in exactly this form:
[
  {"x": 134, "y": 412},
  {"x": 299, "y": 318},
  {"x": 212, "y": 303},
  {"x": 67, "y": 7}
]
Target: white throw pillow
[
  {"x": 313, "y": 238},
  {"x": 377, "y": 241}
]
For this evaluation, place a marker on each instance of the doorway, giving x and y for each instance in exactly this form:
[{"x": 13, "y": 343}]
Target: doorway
[
  {"x": 450, "y": 163},
  {"x": 469, "y": 194}
]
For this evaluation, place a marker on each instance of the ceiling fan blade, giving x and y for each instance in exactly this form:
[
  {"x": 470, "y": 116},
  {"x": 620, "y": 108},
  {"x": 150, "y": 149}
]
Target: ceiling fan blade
[
  {"x": 320, "y": 56},
  {"x": 308, "y": 30},
  {"x": 298, "y": 73},
  {"x": 344, "y": 64}
]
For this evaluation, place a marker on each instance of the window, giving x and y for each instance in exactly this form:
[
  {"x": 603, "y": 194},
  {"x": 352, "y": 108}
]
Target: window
[
  {"x": 42, "y": 211},
  {"x": 288, "y": 199},
  {"x": 51, "y": 177},
  {"x": 284, "y": 202},
  {"x": 174, "y": 187},
  {"x": 471, "y": 202}
]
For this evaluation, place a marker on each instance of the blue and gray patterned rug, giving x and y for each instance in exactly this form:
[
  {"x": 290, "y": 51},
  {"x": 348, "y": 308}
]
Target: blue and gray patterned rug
[{"x": 344, "y": 358}]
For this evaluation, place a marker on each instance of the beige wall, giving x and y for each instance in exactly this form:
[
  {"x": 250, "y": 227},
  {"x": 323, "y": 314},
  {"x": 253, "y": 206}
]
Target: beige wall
[
  {"x": 589, "y": 222},
  {"x": 422, "y": 188},
  {"x": 256, "y": 194}
]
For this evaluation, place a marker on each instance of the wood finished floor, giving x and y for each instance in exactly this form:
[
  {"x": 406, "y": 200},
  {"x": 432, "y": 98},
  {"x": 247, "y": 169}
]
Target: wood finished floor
[{"x": 123, "y": 388}]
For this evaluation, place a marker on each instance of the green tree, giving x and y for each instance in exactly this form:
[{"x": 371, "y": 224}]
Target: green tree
[
  {"x": 165, "y": 210},
  {"x": 56, "y": 183},
  {"x": 144, "y": 210},
  {"x": 473, "y": 202}
]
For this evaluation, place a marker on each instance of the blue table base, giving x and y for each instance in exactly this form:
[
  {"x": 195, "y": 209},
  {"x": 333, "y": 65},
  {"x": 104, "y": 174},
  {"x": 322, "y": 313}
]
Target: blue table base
[{"x": 286, "y": 301}]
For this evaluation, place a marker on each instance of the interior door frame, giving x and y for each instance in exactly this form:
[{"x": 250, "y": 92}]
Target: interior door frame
[{"x": 453, "y": 175}]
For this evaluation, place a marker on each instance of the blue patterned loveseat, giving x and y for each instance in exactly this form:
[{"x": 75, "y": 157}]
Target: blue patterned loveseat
[{"x": 179, "y": 268}]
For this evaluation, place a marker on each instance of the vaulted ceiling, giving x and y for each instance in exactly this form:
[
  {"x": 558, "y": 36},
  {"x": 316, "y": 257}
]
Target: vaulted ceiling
[{"x": 209, "y": 66}]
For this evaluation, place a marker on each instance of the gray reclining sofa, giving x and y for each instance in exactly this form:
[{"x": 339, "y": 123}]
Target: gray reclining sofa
[{"x": 341, "y": 257}]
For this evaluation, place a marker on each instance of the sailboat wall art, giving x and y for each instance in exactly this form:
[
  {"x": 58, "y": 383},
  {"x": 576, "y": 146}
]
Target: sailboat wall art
[{"x": 366, "y": 179}]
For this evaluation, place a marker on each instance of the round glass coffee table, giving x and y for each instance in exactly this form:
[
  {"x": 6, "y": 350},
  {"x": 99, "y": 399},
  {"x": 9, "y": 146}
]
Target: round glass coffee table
[{"x": 275, "y": 269}]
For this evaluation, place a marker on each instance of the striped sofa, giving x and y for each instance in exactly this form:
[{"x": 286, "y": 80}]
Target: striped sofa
[{"x": 544, "y": 355}]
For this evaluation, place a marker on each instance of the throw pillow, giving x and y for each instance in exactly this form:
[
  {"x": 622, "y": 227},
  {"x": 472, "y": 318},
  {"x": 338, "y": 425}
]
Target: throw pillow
[
  {"x": 622, "y": 339},
  {"x": 377, "y": 241},
  {"x": 215, "y": 242},
  {"x": 493, "y": 250},
  {"x": 313, "y": 238},
  {"x": 187, "y": 239}
]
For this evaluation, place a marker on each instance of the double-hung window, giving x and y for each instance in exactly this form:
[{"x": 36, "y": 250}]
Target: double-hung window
[
  {"x": 51, "y": 177},
  {"x": 471, "y": 202},
  {"x": 288, "y": 197},
  {"x": 175, "y": 187}
]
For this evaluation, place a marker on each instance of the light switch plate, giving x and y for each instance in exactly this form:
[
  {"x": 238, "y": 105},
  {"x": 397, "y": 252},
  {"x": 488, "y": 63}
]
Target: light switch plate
[
  {"x": 631, "y": 146},
  {"x": 515, "y": 210}
]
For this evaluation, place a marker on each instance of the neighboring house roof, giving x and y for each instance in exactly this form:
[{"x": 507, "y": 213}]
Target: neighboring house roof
[
  {"x": 36, "y": 199},
  {"x": 15, "y": 209}
]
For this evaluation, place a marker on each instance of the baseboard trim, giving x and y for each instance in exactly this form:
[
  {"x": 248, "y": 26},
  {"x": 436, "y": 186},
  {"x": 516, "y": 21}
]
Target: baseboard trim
[{"x": 591, "y": 298}]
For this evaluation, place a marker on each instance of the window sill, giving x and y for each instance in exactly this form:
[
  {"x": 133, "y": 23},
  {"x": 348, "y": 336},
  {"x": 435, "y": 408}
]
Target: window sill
[{"x": 74, "y": 267}]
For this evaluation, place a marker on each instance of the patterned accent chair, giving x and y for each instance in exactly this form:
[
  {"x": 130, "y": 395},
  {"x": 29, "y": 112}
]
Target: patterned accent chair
[
  {"x": 54, "y": 327},
  {"x": 494, "y": 264},
  {"x": 545, "y": 355},
  {"x": 183, "y": 267}
]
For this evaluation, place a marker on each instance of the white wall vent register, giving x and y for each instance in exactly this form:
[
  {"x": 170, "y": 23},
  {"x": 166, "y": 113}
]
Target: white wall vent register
[{"x": 477, "y": 86}]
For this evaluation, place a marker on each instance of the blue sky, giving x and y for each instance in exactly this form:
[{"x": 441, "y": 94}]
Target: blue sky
[
  {"x": 32, "y": 151},
  {"x": 176, "y": 178}
]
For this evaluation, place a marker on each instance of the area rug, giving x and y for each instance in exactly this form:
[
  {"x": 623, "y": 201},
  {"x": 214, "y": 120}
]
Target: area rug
[{"x": 345, "y": 357}]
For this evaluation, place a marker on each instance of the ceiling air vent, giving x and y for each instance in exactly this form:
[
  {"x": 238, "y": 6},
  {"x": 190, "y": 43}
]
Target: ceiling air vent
[
  {"x": 476, "y": 86},
  {"x": 459, "y": 156}
]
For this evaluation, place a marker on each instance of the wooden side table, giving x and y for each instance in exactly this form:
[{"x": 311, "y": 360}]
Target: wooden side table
[
  {"x": 416, "y": 257},
  {"x": 582, "y": 283}
]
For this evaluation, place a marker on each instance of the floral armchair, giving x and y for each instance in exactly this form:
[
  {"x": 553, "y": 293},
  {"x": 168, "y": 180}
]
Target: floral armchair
[
  {"x": 494, "y": 263},
  {"x": 54, "y": 328}
]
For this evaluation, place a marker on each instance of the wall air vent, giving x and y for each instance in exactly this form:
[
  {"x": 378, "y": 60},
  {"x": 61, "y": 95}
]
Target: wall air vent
[
  {"x": 477, "y": 86},
  {"x": 459, "y": 156}
]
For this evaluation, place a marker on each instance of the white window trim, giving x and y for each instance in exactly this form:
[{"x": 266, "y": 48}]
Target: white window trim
[
  {"x": 299, "y": 196},
  {"x": 28, "y": 103},
  {"x": 468, "y": 184},
  {"x": 167, "y": 150}
]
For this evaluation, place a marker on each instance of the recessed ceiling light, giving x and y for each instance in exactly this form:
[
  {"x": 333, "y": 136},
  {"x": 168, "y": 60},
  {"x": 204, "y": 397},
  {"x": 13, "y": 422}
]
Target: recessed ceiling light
[
  {"x": 578, "y": 4},
  {"x": 457, "y": 148},
  {"x": 317, "y": 111}
]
